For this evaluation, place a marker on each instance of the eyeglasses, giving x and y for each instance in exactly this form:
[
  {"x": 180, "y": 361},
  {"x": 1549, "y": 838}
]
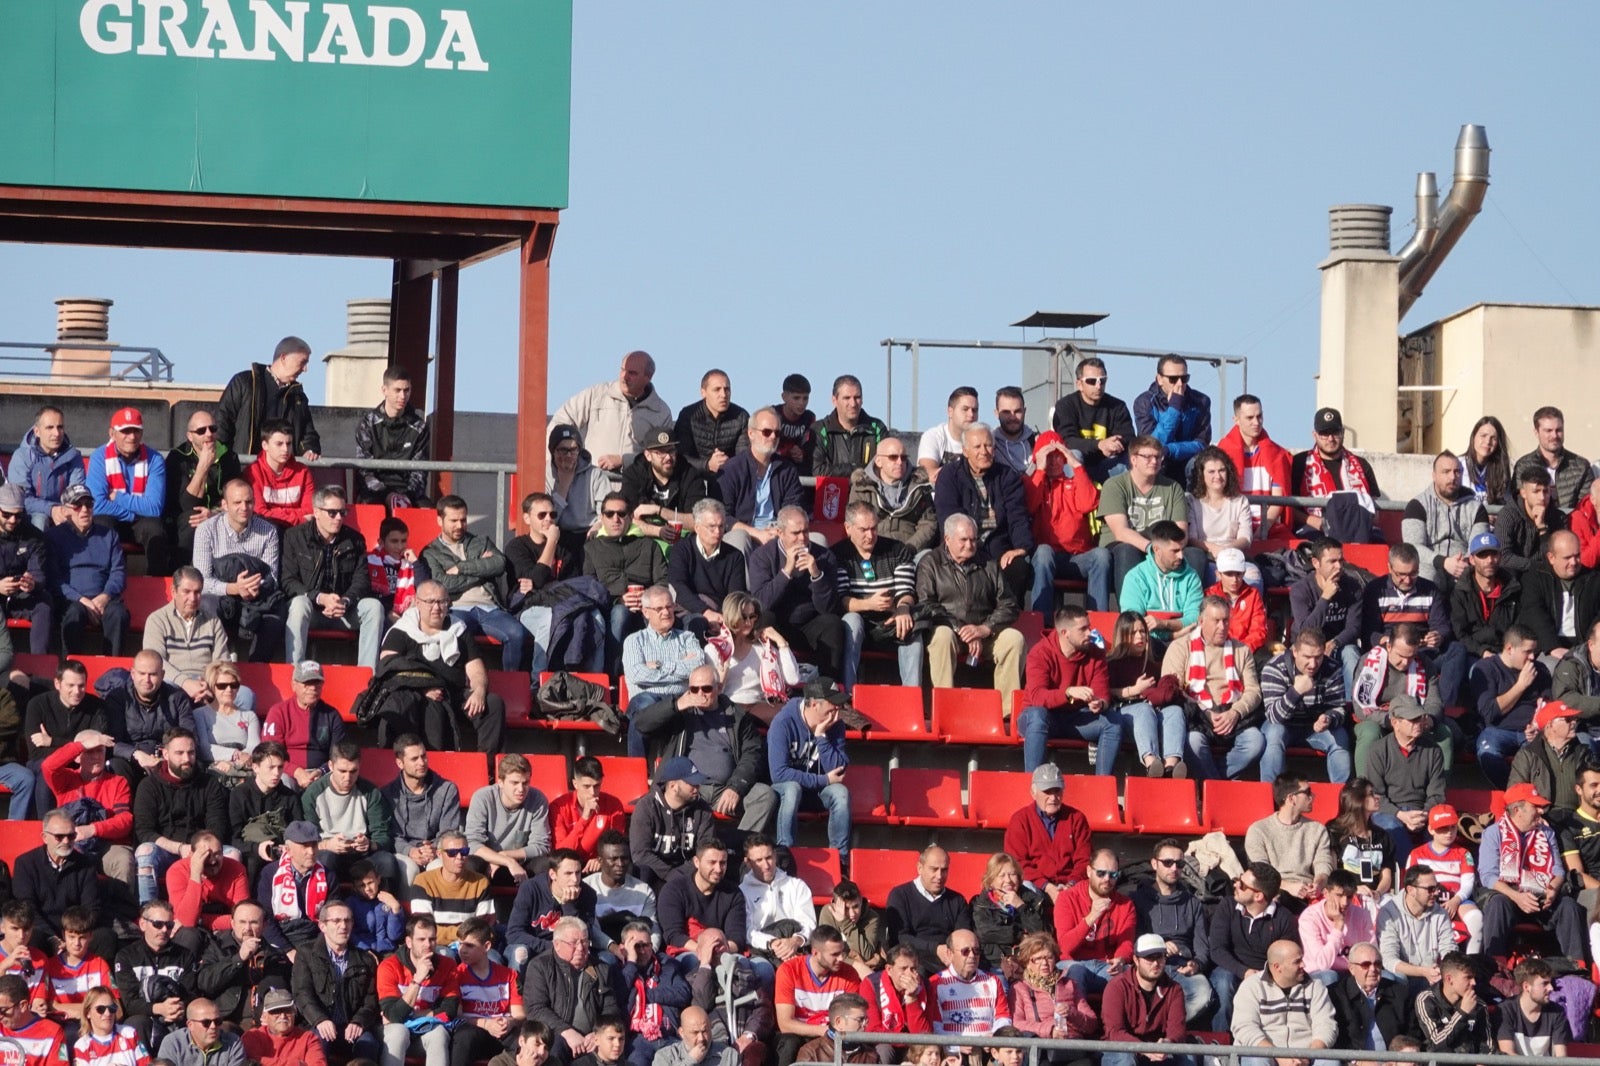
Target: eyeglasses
[
  {"x": 209, "y": 1023},
  {"x": 433, "y": 603},
  {"x": 59, "y": 836},
  {"x": 1093, "y": 381},
  {"x": 750, "y": 616},
  {"x": 1168, "y": 863},
  {"x": 656, "y": 607},
  {"x": 615, "y": 514},
  {"x": 764, "y": 432},
  {"x": 569, "y": 450},
  {"x": 702, "y": 689},
  {"x": 896, "y": 457},
  {"x": 154, "y": 924},
  {"x": 203, "y": 431},
  {"x": 1109, "y": 875},
  {"x": 104, "y": 1008},
  {"x": 226, "y": 686},
  {"x": 333, "y": 512},
  {"x": 965, "y": 951},
  {"x": 543, "y": 514},
  {"x": 7, "y": 1008},
  {"x": 1173, "y": 379},
  {"x": 1369, "y": 964},
  {"x": 1239, "y": 882},
  {"x": 455, "y": 853},
  {"x": 1302, "y": 792}
]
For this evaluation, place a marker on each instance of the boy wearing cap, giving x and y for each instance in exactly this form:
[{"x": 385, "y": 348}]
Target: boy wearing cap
[
  {"x": 1520, "y": 863},
  {"x": 1456, "y": 870},
  {"x": 128, "y": 481},
  {"x": 1486, "y": 601},
  {"x": 1247, "y": 611},
  {"x": 1143, "y": 1005},
  {"x": 84, "y": 571},
  {"x": 1553, "y": 759},
  {"x": 807, "y": 761},
  {"x": 22, "y": 577},
  {"x": 1327, "y": 468}
]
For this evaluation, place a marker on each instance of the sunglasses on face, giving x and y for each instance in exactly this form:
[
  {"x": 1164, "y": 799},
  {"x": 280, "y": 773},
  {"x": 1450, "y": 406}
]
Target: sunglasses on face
[
  {"x": 203, "y": 431},
  {"x": 615, "y": 514},
  {"x": 59, "y": 836},
  {"x": 209, "y": 1023},
  {"x": 1168, "y": 863},
  {"x": 1093, "y": 381},
  {"x": 226, "y": 686},
  {"x": 1109, "y": 875},
  {"x": 333, "y": 512},
  {"x": 1173, "y": 379},
  {"x": 154, "y": 924},
  {"x": 895, "y": 458},
  {"x": 1369, "y": 964},
  {"x": 702, "y": 689},
  {"x": 455, "y": 853},
  {"x": 765, "y": 432},
  {"x": 543, "y": 514},
  {"x": 104, "y": 1008}
]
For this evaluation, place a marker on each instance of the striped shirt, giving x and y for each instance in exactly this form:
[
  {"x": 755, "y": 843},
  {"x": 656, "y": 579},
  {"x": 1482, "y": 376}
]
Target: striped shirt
[
  {"x": 450, "y": 904},
  {"x": 967, "y": 1008},
  {"x": 33, "y": 973},
  {"x": 122, "y": 1048},
  {"x": 891, "y": 568},
  {"x": 799, "y": 985},
  {"x": 69, "y": 984},
  {"x": 41, "y": 1042},
  {"x": 488, "y": 997}
]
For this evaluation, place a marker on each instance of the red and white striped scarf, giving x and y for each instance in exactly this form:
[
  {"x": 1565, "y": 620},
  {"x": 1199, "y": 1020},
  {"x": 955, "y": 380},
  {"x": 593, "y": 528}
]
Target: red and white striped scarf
[
  {"x": 1531, "y": 866},
  {"x": 116, "y": 481},
  {"x": 1319, "y": 479},
  {"x": 1198, "y": 690},
  {"x": 286, "y": 900},
  {"x": 647, "y": 1016},
  {"x": 1373, "y": 674},
  {"x": 380, "y": 565}
]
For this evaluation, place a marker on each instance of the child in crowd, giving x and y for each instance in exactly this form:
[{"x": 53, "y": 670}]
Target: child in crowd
[
  {"x": 72, "y": 971},
  {"x": 394, "y": 568},
  {"x": 797, "y": 437},
  {"x": 376, "y": 915},
  {"x": 1458, "y": 873},
  {"x": 16, "y": 929}
]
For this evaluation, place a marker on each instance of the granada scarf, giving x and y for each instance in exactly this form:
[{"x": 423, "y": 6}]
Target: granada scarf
[
  {"x": 646, "y": 1019},
  {"x": 116, "y": 480},
  {"x": 380, "y": 567},
  {"x": 1530, "y": 866},
  {"x": 1197, "y": 688},
  {"x": 1319, "y": 479},
  {"x": 286, "y": 901},
  {"x": 1372, "y": 674}
]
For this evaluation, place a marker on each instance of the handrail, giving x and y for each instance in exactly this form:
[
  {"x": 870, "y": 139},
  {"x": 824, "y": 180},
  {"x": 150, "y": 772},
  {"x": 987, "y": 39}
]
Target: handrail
[{"x": 152, "y": 365}]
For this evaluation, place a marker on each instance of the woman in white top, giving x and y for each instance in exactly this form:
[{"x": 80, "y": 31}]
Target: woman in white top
[
  {"x": 756, "y": 668},
  {"x": 105, "y": 1042},
  {"x": 225, "y": 732},
  {"x": 1219, "y": 515}
]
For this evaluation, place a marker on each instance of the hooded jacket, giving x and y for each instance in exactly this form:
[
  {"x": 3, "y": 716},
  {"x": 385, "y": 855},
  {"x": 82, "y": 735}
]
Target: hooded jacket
[
  {"x": 1149, "y": 588},
  {"x": 417, "y": 818},
  {"x": 1247, "y": 615},
  {"x": 908, "y": 516},
  {"x": 1129, "y": 1015},
  {"x": 1439, "y": 528},
  {"x": 1182, "y": 423},
  {"x": 164, "y": 806},
  {"x": 252, "y": 398},
  {"x": 1179, "y": 917},
  {"x": 283, "y": 497},
  {"x": 662, "y": 839},
  {"x": 1061, "y": 506},
  {"x": 578, "y": 507},
  {"x": 955, "y": 492},
  {"x": 44, "y": 477},
  {"x": 405, "y": 436},
  {"x": 841, "y": 452}
]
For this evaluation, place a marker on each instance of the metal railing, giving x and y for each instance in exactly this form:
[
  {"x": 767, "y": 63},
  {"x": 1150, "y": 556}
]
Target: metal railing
[
  {"x": 146, "y": 365},
  {"x": 1228, "y": 1054}
]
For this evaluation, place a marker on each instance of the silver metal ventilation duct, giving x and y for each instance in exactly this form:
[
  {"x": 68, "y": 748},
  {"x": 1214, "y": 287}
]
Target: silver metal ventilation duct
[
  {"x": 1421, "y": 242},
  {"x": 1421, "y": 257}
]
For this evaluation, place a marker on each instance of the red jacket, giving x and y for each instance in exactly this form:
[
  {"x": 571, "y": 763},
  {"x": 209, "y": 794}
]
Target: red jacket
[
  {"x": 1060, "y": 506},
  {"x": 1111, "y": 937},
  {"x": 1050, "y": 672},
  {"x": 1265, "y": 471},
  {"x": 1247, "y": 622},
  {"x": 1061, "y": 859},
  {"x": 284, "y": 498},
  {"x": 301, "y": 1047},
  {"x": 109, "y": 790},
  {"x": 569, "y": 830},
  {"x": 1127, "y": 1016},
  {"x": 1582, "y": 521}
]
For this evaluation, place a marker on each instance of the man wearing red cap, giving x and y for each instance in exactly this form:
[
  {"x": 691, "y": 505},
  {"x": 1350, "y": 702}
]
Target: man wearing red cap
[
  {"x": 1521, "y": 866},
  {"x": 129, "y": 484},
  {"x": 1552, "y": 760}
]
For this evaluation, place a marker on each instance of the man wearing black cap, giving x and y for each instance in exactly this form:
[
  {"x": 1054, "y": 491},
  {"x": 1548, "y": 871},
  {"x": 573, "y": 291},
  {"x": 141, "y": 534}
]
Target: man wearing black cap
[
  {"x": 22, "y": 580},
  {"x": 711, "y": 432},
  {"x": 667, "y": 824},
  {"x": 807, "y": 761},
  {"x": 86, "y": 574},
  {"x": 1327, "y": 467},
  {"x": 662, "y": 491},
  {"x": 576, "y": 487},
  {"x": 796, "y": 437}
]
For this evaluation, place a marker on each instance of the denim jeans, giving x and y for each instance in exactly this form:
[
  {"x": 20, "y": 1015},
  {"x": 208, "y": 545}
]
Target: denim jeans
[
  {"x": 1114, "y": 1059},
  {"x": 834, "y": 798},
  {"x": 1155, "y": 732},
  {"x": 502, "y": 626},
  {"x": 1450, "y": 666},
  {"x": 20, "y": 780},
  {"x": 1496, "y": 748},
  {"x": 1092, "y": 567},
  {"x": 1224, "y": 985},
  {"x": 1196, "y": 992},
  {"x": 909, "y": 654},
  {"x": 367, "y": 619},
  {"x": 152, "y": 861},
  {"x": 1091, "y": 975},
  {"x": 1404, "y": 839},
  {"x": 1334, "y": 743},
  {"x": 637, "y": 749},
  {"x": 1039, "y": 726},
  {"x": 1244, "y": 747}
]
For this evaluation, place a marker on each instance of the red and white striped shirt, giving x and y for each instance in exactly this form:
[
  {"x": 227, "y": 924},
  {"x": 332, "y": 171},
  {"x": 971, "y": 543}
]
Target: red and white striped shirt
[
  {"x": 967, "y": 1008},
  {"x": 122, "y": 1048},
  {"x": 798, "y": 984},
  {"x": 488, "y": 997},
  {"x": 69, "y": 984},
  {"x": 33, "y": 973},
  {"x": 39, "y": 1043}
]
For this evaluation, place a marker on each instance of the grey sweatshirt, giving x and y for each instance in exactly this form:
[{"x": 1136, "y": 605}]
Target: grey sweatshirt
[{"x": 525, "y": 829}]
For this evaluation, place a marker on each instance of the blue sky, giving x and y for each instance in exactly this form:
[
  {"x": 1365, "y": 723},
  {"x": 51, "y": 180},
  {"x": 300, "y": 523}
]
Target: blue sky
[{"x": 778, "y": 187}]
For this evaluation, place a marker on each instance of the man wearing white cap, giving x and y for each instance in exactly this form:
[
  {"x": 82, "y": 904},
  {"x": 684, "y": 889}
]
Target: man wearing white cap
[
  {"x": 128, "y": 480},
  {"x": 1143, "y": 1005}
]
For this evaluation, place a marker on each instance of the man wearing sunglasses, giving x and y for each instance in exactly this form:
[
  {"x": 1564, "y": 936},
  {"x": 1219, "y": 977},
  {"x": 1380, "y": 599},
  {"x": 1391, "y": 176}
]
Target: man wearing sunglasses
[
  {"x": 899, "y": 493},
  {"x": 1094, "y": 925},
  {"x": 37, "y": 1041},
  {"x": 280, "y": 1039},
  {"x": 626, "y": 565},
  {"x": 452, "y": 892},
  {"x": 1167, "y": 908},
  {"x": 757, "y": 484},
  {"x": 155, "y": 976},
  {"x": 1094, "y": 423},
  {"x": 197, "y": 469},
  {"x": 1174, "y": 414},
  {"x": 203, "y": 1041},
  {"x": 1365, "y": 1000},
  {"x": 325, "y": 576},
  {"x": 23, "y": 583},
  {"x": 1242, "y": 933}
]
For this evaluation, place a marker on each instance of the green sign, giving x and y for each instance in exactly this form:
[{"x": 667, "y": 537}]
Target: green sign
[{"x": 427, "y": 101}]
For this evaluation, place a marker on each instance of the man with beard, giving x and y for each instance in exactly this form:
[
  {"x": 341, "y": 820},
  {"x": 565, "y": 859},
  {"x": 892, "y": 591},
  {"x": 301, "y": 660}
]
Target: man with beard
[
  {"x": 422, "y": 807},
  {"x": 1486, "y": 601},
  {"x": 1532, "y": 1023},
  {"x": 1094, "y": 925},
  {"x": 1440, "y": 523},
  {"x": 238, "y": 960},
  {"x": 1328, "y": 467},
  {"x": 661, "y": 491},
  {"x": 23, "y": 583},
  {"x": 755, "y": 485},
  {"x": 155, "y": 976},
  {"x": 174, "y": 802},
  {"x": 1166, "y": 907},
  {"x": 141, "y": 714},
  {"x": 711, "y": 432},
  {"x": 197, "y": 470}
]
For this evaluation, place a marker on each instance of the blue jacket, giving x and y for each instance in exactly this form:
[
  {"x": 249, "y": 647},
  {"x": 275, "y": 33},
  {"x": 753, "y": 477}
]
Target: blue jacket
[
  {"x": 1184, "y": 428},
  {"x": 794, "y": 754},
  {"x": 797, "y": 598},
  {"x": 79, "y": 565},
  {"x": 126, "y": 507},
  {"x": 374, "y": 927},
  {"x": 954, "y": 492},
  {"x": 737, "y": 485},
  {"x": 44, "y": 477}
]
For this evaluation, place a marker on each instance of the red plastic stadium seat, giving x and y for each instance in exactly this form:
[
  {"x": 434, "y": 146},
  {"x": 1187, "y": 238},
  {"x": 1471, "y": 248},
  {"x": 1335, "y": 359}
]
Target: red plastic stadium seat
[
  {"x": 1032, "y": 626},
  {"x": 1096, "y": 797},
  {"x": 969, "y": 716},
  {"x": 925, "y": 798},
  {"x": 966, "y": 872},
  {"x": 271, "y": 682},
  {"x": 1373, "y": 558},
  {"x": 869, "y": 803},
  {"x": 819, "y": 869},
  {"x": 422, "y": 524},
  {"x": 1106, "y": 623},
  {"x": 1163, "y": 807},
  {"x": 874, "y": 870},
  {"x": 18, "y": 838},
  {"x": 895, "y": 712},
  {"x": 625, "y": 778},
  {"x": 365, "y": 518},
  {"x": 1233, "y": 806},
  {"x": 379, "y": 768},
  {"x": 40, "y": 666},
  {"x": 547, "y": 773},
  {"x": 468, "y": 769},
  {"x": 995, "y": 795},
  {"x": 342, "y": 685},
  {"x": 512, "y": 687},
  {"x": 1476, "y": 800},
  {"x": 98, "y": 665},
  {"x": 143, "y": 597},
  {"x": 1325, "y": 801}
]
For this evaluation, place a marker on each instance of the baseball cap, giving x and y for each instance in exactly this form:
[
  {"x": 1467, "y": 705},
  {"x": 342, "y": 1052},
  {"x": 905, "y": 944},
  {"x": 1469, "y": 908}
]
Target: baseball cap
[
  {"x": 679, "y": 768},
  {"x": 276, "y": 1000},
  {"x": 826, "y": 688},
  {"x": 1483, "y": 542},
  {"x": 1149, "y": 946},
  {"x": 1046, "y": 776},
  {"x": 301, "y": 832},
  {"x": 75, "y": 494},
  {"x": 1552, "y": 710},
  {"x": 127, "y": 418},
  {"x": 1406, "y": 708},
  {"x": 11, "y": 497},
  {"x": 1525, "y": 793},
  {"x": 563, "y": 433},
  {"x": 308, "y": 670},
  {"x": 1442, "y": 815},
  {"x": 660, "y": 439},
  {"x": 1327, "y": 420},
  {"x": 1230, "y": 561}
]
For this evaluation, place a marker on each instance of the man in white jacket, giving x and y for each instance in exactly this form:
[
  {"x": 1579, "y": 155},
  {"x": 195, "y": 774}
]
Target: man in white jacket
[
  {"x": 1281, "y": 1007},
  {"x": 614, "y": 416},
  {"x": 771, "y": 896}
]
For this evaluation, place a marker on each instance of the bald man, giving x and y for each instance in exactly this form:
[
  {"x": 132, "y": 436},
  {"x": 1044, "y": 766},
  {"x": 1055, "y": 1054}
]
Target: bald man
[
  {"x": 923, "y": 912},
  {"x": 1282, "y": 1007}
]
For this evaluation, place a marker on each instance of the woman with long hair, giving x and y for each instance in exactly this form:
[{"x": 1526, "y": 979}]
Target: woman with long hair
[
  {"x": 1043, "y": 1001},
  {"x": 1485, "y": 464},
  {"x": 105, "y": 1041},
  {"x": 1132, "y": 672},
  {"x": 1004, "y": 911},
  {"x": 1360, "y": 846},
  {"x": 753, "y": 662},
  {"x": 1219, "y": 515},
  {"x": 225, "y": 732}
]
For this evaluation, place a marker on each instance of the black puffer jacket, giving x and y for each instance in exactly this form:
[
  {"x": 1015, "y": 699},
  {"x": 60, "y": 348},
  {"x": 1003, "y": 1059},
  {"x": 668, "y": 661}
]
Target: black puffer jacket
[
  {"x": 22, "y": 551},
  {"x": 698, "y": 434},
  {"x": 250, "y": 398},
  {"x": 302, "y": 557},
  {"x": 404, "y": 437}
]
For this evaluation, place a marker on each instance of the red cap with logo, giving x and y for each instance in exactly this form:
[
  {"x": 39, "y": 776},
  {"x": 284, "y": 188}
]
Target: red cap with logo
[
  {"x": 127, "y": 418},
  {"x": 1443, "y": 815},
  {"x": 1525, "y": 793},
  {"x": 1550, "y": 711}
]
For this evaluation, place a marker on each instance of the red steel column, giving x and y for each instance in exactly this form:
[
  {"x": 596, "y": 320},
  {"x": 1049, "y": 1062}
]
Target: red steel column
[{"x": 533, "y": 358}]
